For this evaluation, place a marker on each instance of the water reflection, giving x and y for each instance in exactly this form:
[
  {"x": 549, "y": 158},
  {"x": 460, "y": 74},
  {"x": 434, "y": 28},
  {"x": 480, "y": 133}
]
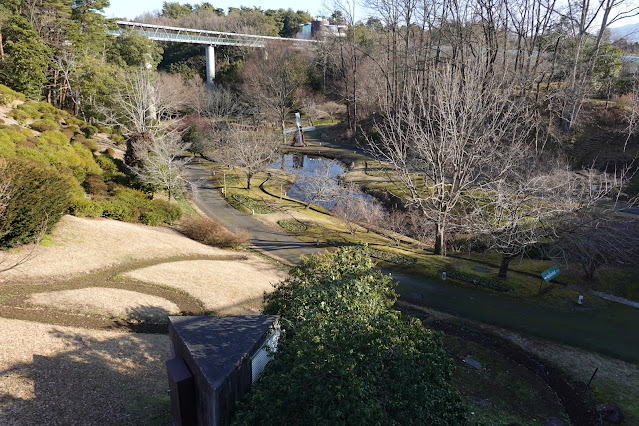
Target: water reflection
[{"x": 317, "y": 179}]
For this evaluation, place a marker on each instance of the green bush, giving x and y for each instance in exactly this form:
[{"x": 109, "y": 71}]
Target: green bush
[
  {"x": 152, "y": 212},
  {"x": 89, "y": 130},
  {"x": 19, "y": 115},
  {"x": 160, "y": 212},
  {"x": 105, "y": 129},
  {"x": 74, "y": 122},
  {"x": 53, "y": 138},
  {"x": 8, "y": 95},
  {"x": 346, "y": 356},
  {"x": 31, "y": 109},
  {"x": 7, "y": 146},
  {"x": 117, "y": 210},
  {"x": 44, "y": 124},
  {"x": 84, "y": 207},
  {"x": 479, "y": 281},
  {"x": 39, "y": 196},
  {"x": 106, "y": 163},
  {"x": 73, "y": 128}
]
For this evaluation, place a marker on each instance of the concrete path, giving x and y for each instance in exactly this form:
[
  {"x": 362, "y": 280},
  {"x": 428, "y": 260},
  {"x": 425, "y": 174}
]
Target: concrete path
[
  {"x": 208, "y": 199},
  {"x": 615, "y": 298}
]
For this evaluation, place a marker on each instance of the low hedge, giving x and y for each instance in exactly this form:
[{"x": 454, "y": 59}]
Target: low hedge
[
  {"x": 85, "y": 207},
  {"x": 251, "y": 204},
  {"x": 118, "y": 210},
  {"x": 478, "y": 281},
  {"x": 292, "y": 225}
]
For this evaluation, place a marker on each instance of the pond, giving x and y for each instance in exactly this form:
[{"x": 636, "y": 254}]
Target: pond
[{"x": 317, "y": 179}]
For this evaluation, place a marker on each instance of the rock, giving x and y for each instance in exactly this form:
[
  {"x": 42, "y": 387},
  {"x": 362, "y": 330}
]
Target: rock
[
  {"x": 472, "y": 362},
  {"x": 554, "y": 421},
  {"x": 610, "y": 412}
]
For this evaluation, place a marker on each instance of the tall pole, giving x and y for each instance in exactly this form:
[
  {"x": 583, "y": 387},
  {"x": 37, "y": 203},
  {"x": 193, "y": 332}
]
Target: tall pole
[{"x": 210, "y": 66}]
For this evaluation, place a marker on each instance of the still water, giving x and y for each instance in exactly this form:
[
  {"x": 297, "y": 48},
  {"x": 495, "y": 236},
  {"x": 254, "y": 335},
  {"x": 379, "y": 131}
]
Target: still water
[{"x": 311, "y": 173}]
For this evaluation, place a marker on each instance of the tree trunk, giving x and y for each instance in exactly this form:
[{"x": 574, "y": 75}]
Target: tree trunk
[
  {"x": 439, "y": 239},
  {"x": 248, "y": 180},
  {"x": 1, "y": 48},
  {"x": 503, "y": 268}
]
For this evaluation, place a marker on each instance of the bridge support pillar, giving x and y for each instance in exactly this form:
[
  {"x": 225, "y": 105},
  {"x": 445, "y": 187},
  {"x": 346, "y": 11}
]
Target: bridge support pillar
[{"x": 210, "y": 66}]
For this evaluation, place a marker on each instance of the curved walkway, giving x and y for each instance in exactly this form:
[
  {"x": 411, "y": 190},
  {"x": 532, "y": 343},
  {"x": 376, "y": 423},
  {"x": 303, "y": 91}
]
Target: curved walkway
[{"x": 208, "y": 199}]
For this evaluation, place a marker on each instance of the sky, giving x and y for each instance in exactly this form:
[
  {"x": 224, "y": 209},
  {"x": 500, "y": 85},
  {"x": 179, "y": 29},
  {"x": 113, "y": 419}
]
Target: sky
[{"x": 131, "y": 8}]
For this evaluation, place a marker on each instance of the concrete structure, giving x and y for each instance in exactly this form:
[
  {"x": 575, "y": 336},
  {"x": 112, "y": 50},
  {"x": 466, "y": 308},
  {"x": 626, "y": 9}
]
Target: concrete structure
[
  {"x": 215, "y": 361},
  {"x": 195, "y": 36}
]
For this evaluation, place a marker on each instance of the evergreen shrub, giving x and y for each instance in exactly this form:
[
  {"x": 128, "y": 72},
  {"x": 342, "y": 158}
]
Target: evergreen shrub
[
  {"x": 39, "y": 196},
  {"x": 44, "y": 124}
]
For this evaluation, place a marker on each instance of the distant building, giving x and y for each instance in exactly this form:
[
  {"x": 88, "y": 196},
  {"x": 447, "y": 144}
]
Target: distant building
[{"x": 320, "y": 27}]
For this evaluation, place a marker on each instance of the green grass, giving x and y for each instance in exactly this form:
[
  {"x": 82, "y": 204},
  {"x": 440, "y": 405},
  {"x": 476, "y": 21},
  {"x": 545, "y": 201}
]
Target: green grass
[{"x": 502, "y": 391}]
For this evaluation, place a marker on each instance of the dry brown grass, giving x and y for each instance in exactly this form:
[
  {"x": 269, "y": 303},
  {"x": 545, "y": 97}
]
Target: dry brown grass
[
  {"x": 228, "y": 288},
  {"x": 80, "y": 245},
  {"x": 52, "y": 375},
  {"x": 210, "y": 232},
  {"x": 108, "y": 301}
]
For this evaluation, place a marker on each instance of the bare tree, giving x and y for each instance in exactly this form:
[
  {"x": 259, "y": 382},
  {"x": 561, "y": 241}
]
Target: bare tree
[
  {"x": 144, "y": 102},
  {"x": 320, "y": 186},
  {"x": 271, "y": 79},
  {"x": 397, "y": 223},
  {"x": 540, "y": 206},
  {"x": 356, "y": 210},
  {"x": 597, "y": 242},
  {"x": 249, "y": 150},
  {"x": 583, "y": 17},
  {"x": 462, "y": 131},
  {"x": 160, "y": 164}
]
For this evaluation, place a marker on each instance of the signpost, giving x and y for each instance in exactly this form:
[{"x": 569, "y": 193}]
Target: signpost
[{"x": 548, "y": 275}]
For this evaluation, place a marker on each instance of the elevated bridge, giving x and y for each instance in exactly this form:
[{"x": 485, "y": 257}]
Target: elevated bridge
[{"x": 205, "y": 37}]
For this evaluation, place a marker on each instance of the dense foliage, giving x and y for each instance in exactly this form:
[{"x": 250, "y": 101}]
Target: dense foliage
[
  {"x": 38, "y": 196},
  {"x": 347, "y": 357}
]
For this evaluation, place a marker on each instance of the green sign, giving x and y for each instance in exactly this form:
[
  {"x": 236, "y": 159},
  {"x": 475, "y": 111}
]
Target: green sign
[{"x": 550, "y": 273}]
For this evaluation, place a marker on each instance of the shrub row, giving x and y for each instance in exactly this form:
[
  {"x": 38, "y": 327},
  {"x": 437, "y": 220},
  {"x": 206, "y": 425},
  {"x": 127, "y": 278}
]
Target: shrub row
[
  {"x": 150, "y": 212},
  {"x": 292, "y": 225},
  {"x": 257, "y": 206},
  {"x": 479, "y": 281}
]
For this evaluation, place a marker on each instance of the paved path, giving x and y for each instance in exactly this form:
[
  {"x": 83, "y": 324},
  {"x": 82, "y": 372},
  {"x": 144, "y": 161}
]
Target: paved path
[
  {"x": 611, "y": 330},
  {"x": 208, "y": 199}
]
